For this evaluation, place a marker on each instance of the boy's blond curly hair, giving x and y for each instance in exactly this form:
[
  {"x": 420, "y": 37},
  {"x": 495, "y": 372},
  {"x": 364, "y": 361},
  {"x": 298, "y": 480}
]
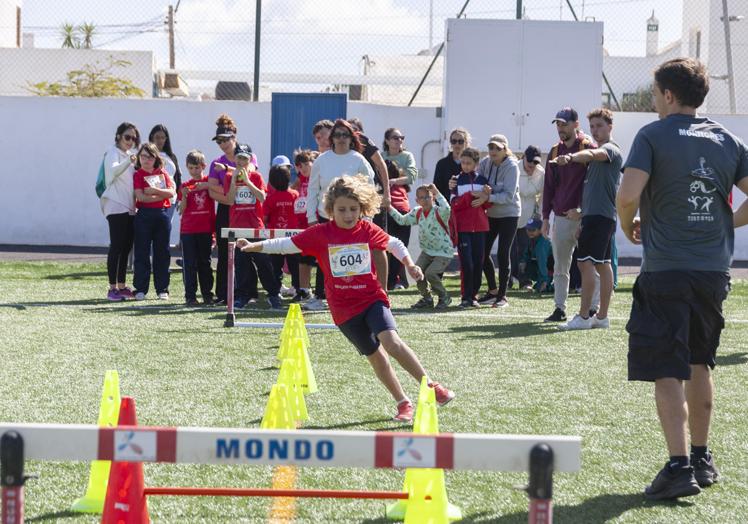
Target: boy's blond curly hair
[{"x": 357, "y": 188}]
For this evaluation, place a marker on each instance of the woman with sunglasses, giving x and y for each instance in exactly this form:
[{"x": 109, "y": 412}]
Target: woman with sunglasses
[
  {"x": 118, "y": 206},
  {"x": 400, "y": 180},
  {"x": 449, "y": 166}
]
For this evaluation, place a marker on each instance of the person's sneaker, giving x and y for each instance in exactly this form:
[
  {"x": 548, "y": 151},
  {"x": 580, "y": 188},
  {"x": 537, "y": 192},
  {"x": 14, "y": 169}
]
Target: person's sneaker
[
  {"x": 705, "y": 472},
  {"x": 163, "y": 295},
  {"x": 240, "y": 303},
  {"x": 443, "y": 395},
  {"x": 670, "y": 484},
  {"x": 218, "y": 302},
  {"x": 488, "y": 298},
  {"x": 314, "y": 304},
  {"x": 209, "y": 300},
  {"x": 424, "y": 303},
  {"x": 600, "y": 323},
  {"x": 404, "y": 412},
  {"x": 469, "y": 303},
  {"x": 287, "y": 291},
  {"x": 114, "y": 296},
  {"x": 577, "y": 323},
  {"x": 501, "y": 302},
  {"x": 126, "y": 292},
  {"x": 275, "y": 302},
  {"x": 139, "y": 295},
  {"x": 191, "y": 302},
  {"x": 179, "y": 262},
  {"x": 301, "y": 295},
  {"x": 558, "y": 315},
  {"x": 444, "y": 303}
]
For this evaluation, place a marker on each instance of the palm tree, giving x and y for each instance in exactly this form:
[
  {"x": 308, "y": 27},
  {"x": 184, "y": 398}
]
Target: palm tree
[
  {"x": 87, "y": 30},
  {"x": 69, "y": 37}
]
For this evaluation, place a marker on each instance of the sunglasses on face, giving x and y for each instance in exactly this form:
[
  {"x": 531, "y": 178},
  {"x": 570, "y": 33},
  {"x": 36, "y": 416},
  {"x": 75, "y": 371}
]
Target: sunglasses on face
[
  {"x": 146, "y": 156},
  {"x": 455, "y": 141},
  {"x": 340, "y": 134},
  {"x": 397, "y": 137},
  {"x": 129, "y": 138}
]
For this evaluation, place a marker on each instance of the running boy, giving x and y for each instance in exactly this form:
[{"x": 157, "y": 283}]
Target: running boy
[
  {"x": 198, "y": 213},
  {"x": 349, "y": 250},
  {"x": 437, "y": 250}
]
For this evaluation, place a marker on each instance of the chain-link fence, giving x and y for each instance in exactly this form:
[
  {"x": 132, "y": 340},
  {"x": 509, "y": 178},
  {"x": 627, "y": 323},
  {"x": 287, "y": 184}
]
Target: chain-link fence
[{"x": 377, "y": 51}]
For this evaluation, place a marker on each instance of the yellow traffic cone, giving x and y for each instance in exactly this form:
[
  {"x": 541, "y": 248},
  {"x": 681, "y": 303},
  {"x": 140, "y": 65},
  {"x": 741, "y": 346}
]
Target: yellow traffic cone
[
  {"x": 284, "y": 350},
  {"x": 289, "y": 377},
  {"x": 98, "y": 477},
  {"x": 278, "y": 412},
  {"x": 301, "y": 356},
  {"x": 436, "y": 509},
  {"x": 290, "y": 316}
]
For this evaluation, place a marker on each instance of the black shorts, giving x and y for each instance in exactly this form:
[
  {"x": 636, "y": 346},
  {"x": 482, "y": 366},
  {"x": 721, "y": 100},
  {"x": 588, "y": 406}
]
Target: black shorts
[
  {"x": 362, "y": 330},
  {"x": 676, "y": 320},
  {"x": 595, "y": 239},
  {"x": 309, "y": 261}
]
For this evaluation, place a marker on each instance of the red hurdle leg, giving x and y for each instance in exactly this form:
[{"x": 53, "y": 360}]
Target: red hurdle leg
[
  {"x": 230, "y": 316},
  {"x": 11, "y": 477}
]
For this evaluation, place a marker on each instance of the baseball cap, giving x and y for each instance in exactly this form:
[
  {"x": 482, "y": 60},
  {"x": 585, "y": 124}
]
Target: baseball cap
[
  {"x": 499, "y": 141},
  {"x": 567, "y": 114},
  {"x": 534, "y": 223},
  {"x": 243, "y": 150},
  {"x": 224, "y": 132},
  {"x": 533, "y": 155},
  {"x": 280, "y": 160}
]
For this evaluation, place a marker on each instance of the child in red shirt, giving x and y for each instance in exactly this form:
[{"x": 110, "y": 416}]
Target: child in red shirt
[
  {"x": 245, "y": 191},
  {"x": 303, "y": 160},
  {"x": 154, "y": 190},
  {"x": 198, "y": 211},
  {"x": 351, "y": 253},
  {"x": 280, "y": 214}
]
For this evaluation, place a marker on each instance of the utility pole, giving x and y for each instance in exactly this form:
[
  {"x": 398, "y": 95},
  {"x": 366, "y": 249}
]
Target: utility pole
[
  {"x": 431, "y": 25},
  {"x": 256, "y": 84},
  {"x": 519, "y": 9},
  {"x": 728, "y": 55},
  {"x": 170, "y": 22}
]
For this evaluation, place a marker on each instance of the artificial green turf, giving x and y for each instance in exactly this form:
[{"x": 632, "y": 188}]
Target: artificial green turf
[{"x": 511, "y": 372}]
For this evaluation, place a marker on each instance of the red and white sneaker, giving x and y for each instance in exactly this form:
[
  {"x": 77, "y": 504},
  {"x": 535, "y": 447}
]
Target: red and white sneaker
[
  {"x": 404, "y": 412},
  {"x": 443, "y": 395}
]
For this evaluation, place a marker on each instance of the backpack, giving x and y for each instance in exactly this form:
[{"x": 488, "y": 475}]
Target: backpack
[
  {"x": 101, "y": 180},
  {"x": 451, "y": 231}
]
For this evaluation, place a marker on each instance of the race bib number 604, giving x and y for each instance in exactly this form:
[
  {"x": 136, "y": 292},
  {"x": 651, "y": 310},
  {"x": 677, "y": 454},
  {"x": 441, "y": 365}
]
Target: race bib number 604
[{"x": 349, "y": 260}]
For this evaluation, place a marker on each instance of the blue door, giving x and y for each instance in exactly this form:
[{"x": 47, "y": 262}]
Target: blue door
[{"x": 294, "y": 116}]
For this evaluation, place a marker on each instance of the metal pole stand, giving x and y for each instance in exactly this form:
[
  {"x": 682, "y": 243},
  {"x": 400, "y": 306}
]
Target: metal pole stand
[
  {"x": 540, "y": 488},
  {"x": 11, "y": 477},
  {"x": 230, "y": 316}
]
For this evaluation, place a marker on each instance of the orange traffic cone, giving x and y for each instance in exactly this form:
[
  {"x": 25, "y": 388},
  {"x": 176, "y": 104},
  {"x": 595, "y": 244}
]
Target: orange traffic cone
[{"x": 125, "y": 499}]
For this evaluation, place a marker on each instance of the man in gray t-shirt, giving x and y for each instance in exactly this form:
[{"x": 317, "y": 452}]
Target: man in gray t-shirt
[
  {"x": 679, "y": 175},
  {"x": 598, "y": 224}
]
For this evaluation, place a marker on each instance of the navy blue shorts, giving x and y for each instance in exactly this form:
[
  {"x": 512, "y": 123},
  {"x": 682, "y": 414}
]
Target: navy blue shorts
[
  {"x": 595, "y": 239},
  {"x": 362, "y": 330}
]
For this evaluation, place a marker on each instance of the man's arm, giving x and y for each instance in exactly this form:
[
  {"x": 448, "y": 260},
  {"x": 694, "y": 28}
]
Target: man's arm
[
  {"x": 740, "y": 217},
  {"x": 627, "y": 201},
  {"x": 584, "y": 157}
]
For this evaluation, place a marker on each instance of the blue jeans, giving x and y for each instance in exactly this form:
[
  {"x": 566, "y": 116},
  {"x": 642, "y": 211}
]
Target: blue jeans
[
  {"x": 152, "y": 231},
  {"x": 471, "y": 249},
  {"x": 196, "y": 265}
]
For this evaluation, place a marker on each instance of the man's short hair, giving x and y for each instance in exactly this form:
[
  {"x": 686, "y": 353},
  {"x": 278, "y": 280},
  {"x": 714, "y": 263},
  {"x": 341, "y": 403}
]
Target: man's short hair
[
  {"x": 686, "y": 78},
  {"x": 602, "y": 112},
  {"x": 322, "y": 124}
]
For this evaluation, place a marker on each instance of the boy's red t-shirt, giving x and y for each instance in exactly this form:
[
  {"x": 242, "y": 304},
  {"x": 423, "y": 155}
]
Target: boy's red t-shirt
[
  {"x": 345, "y": 257},
  {"x": 301, "y": 201},
  {"x": 199, "y": 215},
  {"x": 158, "y": 179},
  {"x": 279, "y": 209},
  {"x": 246, "y": 210}
]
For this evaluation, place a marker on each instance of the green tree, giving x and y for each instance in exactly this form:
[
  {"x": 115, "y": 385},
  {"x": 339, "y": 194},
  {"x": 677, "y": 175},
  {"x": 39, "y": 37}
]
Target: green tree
[
  {"x": 87, "y": 31},
  {"x": 69, "y": 36},
  {"x": 93, "y": 81},
  {"x": 640, "y": 100}
]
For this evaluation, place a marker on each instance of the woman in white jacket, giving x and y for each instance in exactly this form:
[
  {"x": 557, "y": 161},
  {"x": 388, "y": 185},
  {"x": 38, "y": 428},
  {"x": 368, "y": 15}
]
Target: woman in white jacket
[
  {"x": 531, "y": 177},
  {"x": 118, "y": 206}
]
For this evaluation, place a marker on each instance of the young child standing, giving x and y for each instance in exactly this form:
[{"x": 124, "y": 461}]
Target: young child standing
[
  {"x": 469, "y": 203},
  {"x": 437, "y": 250},
  {"x": 198, "y": 213},
  {"x": 279, "y": 214},
  {"x": 245, "y": 191},
  {"x": 303, "y": 160},
  {"x": 154, "y": 190},
  {"x": 351, "y": 253}
]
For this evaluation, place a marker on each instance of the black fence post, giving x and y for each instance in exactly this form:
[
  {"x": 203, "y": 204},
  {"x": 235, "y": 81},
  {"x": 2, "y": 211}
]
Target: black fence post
[{"x": 540, "y": 487}]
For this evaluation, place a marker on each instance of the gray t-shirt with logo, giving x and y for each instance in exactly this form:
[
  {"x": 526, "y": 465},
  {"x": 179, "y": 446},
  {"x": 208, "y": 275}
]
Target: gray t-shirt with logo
[
  {"x": 601, "y": 183},
  {"x": 686, "y": 218}
]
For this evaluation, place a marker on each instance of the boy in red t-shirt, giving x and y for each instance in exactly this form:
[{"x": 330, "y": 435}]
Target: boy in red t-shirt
[
  {"x": 245, "y": 190},
  {"x": 198, "y": 211},
  {"x": 303, "y": 160},
  {"x": 351, "y": 253},
  {"x": 280, "y": 214}
]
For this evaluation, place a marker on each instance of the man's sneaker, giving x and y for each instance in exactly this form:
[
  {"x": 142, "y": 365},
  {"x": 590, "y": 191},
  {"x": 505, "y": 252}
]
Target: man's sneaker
[
  {"x": 301, "y": 295},
  {"x": 314, "y": 304},
  {"x": 444, "y": 302},
  {"x": 600, "y": 323},
  {"x": 705, "y": 472},
  {"x": 558, "y": 315},
  {"x": 287, "y": 291},
  {"x": 488, "y": 298},
  {"x": 191, "y": 302},
  {"x": 673, "y": 484},
  {"x": 424, "y": 303},
  {"x": 404, "y": 412},
  {"x": 501, "y": 302},
  {"x": 114, "y": 296},
  {"x": 139, "y": 295},
  {"x": 577, "y": 323},
  {"x": 275, "y": 302},
  {"x": 163, "y": 295},
  {"x": 209, "y": 300},
  {"x": 469, "y": 303},
  {"x": 443, "y": 395},
  {"x": 126, "y": 292}
]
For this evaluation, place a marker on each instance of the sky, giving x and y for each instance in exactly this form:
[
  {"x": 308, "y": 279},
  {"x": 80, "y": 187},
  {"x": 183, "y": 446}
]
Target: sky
[{"x": 311, "y": 36}]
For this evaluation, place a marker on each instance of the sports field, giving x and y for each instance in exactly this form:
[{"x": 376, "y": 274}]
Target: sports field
[{"x": 511, "y": 372}]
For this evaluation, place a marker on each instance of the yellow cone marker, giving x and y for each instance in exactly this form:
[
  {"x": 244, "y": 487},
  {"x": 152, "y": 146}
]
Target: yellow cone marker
[{"x": 278, "y": 412}]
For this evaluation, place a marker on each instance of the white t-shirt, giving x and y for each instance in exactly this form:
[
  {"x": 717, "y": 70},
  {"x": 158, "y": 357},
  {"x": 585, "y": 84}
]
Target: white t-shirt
[
  {"x": 119, "y": 196},
  {"x": 329, "y": 166}
]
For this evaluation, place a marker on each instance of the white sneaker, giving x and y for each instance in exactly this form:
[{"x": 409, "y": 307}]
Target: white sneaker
[
  {"x": 600, "y": 323},
  {"x": 139, "y": 295},
  {"x": 163, "y": 295},
  {"x": 287, "y": 291},
  {"x": 314, "y": 304},
  {"x": 577, "y": 323}
]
